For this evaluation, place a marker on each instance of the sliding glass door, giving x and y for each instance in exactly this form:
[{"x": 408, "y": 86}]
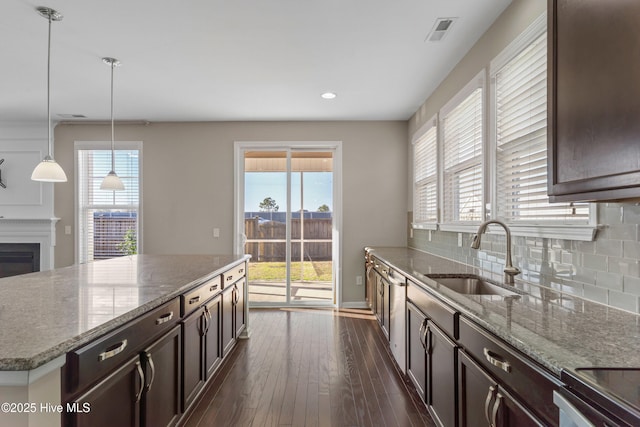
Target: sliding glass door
[{"x": 288, "y": 223}]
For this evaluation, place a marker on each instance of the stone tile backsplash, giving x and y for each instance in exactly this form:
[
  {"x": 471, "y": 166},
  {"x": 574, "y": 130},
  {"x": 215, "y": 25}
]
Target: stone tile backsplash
[{"x": 606, "y": 270}]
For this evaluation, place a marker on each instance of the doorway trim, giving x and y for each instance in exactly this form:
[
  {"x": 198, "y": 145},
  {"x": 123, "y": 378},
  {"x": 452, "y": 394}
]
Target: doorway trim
[{"x": 238, "y": 203}]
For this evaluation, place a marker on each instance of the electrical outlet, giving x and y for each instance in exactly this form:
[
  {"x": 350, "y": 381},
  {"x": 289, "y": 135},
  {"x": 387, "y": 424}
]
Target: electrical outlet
[
  {"x": 67, "y": 230},
  {"x": 216, "y": 232},
  {"x": 358, "y": 280},
  {"x": 460, "y": 239}
]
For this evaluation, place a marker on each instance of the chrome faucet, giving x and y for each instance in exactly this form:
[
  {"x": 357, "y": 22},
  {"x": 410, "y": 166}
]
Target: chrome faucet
[{"x": 509, "y": 269}]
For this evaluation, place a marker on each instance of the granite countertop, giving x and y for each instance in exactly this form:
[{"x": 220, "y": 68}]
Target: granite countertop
[
  {"x": 46, "y": 314},
  {"x": 559, "y": 331}
]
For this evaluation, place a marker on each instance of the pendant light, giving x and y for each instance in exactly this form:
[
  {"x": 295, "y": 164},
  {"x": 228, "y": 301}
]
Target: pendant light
[
  {"x": 112, "y": 181},
  {"x": 48, "y": 170}
]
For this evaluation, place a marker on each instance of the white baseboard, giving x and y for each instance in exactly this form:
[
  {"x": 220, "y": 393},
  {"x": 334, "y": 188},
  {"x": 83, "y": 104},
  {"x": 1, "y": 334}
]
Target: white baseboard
[{"x": 355, "y": 304}]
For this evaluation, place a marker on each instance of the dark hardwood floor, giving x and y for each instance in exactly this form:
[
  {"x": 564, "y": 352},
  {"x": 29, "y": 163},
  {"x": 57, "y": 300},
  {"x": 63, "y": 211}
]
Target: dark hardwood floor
[{"x": 310, "y": 367}]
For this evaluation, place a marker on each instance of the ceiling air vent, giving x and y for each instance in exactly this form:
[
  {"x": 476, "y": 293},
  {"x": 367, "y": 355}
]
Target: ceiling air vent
[{"x": 440, "y": 29}]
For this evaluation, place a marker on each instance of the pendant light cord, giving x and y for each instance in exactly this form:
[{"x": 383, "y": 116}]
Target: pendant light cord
[
  {"x": 50, "y": 145},
  {"x": 113, "y": 152}
]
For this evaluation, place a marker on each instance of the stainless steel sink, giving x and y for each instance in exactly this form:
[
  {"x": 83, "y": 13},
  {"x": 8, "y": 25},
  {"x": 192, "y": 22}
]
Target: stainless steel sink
[{"x": 470, "y": 284}]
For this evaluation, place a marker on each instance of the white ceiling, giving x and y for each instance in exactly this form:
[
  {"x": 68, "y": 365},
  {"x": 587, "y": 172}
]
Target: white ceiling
[{"x": 207, "y": 60}]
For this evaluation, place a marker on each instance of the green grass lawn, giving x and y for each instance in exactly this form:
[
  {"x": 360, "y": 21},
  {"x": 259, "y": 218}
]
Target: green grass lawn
[{"x": 317, "y": 271}]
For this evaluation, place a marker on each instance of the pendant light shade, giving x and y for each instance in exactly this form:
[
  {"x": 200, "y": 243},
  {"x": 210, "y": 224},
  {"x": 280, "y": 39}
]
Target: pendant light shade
[
  {"x": 48, "y": 170},
  {"x": 112, "y": 182}
]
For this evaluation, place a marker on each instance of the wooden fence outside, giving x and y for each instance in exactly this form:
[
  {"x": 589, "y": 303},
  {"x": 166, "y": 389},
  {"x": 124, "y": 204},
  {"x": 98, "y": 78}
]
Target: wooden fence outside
[{"x": 271, "y": 236}]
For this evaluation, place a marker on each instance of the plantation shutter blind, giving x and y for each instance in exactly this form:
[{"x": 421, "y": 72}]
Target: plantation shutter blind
[
  {"x": 105, "y": 216},
  {"x": 521, "y": 142},
  {"x": 462, "y": 128},
  {"x": 426, "y": 177}
]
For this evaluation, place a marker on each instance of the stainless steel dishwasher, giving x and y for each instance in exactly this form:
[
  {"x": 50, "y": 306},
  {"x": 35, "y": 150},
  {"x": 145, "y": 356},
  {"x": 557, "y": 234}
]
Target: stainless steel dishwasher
[{"x": 397, "y": 317}]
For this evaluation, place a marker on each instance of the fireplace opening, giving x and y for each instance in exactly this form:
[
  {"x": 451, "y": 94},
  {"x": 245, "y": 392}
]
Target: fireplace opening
[{"x": 19, "y": 258}]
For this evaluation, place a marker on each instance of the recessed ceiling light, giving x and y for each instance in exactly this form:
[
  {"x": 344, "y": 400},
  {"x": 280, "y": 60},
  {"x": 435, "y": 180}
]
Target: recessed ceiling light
[{"x": 328, "y": 95}]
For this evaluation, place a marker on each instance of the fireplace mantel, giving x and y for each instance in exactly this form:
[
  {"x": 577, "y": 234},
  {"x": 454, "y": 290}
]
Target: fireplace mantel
[{"x": 32, "y": 230}]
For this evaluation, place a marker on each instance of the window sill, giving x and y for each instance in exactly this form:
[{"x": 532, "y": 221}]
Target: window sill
[
  {"x": 585, "y": 232},
  {"x": 424, "y": 225},
  {"x": 566, "y": 232}
]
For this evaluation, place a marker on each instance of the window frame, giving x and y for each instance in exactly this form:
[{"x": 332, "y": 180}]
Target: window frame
[
  {"x": 418, "y": 136},
  {"x": 106, "y": 145},
  {"x": 477, "y": 82}
]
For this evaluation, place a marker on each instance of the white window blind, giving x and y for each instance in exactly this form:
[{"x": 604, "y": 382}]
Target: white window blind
[
  {"x": 462, "y": 143},
  {"x": 521, "y": 142},
  {"x": 106, "y": 217},
  {"x": 425, "y": 163}
]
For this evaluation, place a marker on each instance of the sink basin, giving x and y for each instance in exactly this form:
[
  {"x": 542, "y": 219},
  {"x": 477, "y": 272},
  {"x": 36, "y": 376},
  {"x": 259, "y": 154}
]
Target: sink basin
[{"x": 471, "y": 285}]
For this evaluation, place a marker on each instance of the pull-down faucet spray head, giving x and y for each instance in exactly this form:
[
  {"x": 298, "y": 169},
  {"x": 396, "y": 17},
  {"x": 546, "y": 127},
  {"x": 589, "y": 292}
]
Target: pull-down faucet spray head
[{"x": 509, "y": 269}]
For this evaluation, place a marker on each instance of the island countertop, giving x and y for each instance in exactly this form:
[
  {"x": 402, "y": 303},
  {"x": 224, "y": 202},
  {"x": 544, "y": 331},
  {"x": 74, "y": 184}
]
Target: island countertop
[
  {"x": 556, "y": 329},
  {"x": 43, "y": 315}
]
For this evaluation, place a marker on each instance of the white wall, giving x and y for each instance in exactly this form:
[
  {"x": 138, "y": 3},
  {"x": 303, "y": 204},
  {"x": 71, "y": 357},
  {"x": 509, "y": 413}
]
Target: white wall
[
  {"x": 23, "y": 146},
  {"x": 188, "y": 184}
]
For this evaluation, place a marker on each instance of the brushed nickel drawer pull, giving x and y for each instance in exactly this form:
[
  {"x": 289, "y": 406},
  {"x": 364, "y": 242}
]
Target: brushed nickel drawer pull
[
  {"x": 229, "y": 278},
  {"x": 241, "y": 271},
  {"x": 213, "y": 288},
  {"x": 496, "y": 360},
  {"x": 194, "y": 300},
  {"x": 164, "y": 318},
  {"x": 112, "y": 351}
]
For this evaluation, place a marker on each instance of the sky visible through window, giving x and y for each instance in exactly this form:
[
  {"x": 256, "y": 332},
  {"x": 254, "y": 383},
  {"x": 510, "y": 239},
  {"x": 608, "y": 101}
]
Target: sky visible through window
[{"x": 260, "y": 185}]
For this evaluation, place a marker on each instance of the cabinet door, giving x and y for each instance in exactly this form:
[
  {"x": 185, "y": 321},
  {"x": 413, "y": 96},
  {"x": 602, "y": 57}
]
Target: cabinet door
[
  {"x": 482, "y": 402},
  {"x": 115, "y": 401},
  {"x": 476, "y": 393},
  {"x": 441, "y": 375},
  {"x": 238, "y": 307},
  {"x": 379, "y": 296},
  {"x": 416, "y": 355},
  {"x": 228, "y": 339},
  {"x": 193, "y": 375},
  {"x": 212, "y": 350},
  {"x": 162, "y": 365},
  {"x": 386, "y": 306},
  {"x": 593, "y": 134}
]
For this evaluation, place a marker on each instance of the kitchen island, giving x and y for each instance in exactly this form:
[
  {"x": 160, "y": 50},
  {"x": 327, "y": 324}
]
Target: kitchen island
[{"x": 46, "y": 315}]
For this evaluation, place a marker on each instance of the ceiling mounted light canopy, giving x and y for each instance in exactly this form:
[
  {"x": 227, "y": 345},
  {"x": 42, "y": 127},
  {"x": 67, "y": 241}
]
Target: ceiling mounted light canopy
[
  {"x": 112, "y": 182},
  {"x": 329, "y": 95},
  {"x": 48, "y": 170}
]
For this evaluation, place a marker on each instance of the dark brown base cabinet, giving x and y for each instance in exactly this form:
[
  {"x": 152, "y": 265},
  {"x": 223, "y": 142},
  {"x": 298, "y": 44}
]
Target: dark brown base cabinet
[
  {"x": 201, "y": 331},
  {"x": 482, "y": 402},
  {"x": 145, "y": 391},
  {"x": 119, "y": 390},
  {"x": 382, "y": 290},
  {"x": 416, "y": 351},
  {"x": 432, "y": 366},
  {"x": 233, "y": 312}
]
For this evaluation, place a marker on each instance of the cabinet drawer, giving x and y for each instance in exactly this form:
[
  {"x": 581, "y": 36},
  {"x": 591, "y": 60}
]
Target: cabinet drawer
[
  {"x": 440, "y": 313},
  {"x": 512, "y": 370},
  {"x": 87, "y": 364},
  {"x": 233, "y": 275},
  {"x": 199, "y": 295}
]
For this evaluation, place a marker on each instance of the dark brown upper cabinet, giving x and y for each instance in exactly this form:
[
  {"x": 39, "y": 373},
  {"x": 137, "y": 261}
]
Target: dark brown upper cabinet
[{"x": 594, "y": 100}]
